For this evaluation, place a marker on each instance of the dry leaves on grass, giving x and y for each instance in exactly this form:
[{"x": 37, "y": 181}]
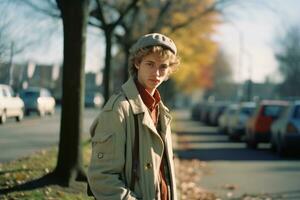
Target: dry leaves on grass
[{"x": 189, "y": 173}]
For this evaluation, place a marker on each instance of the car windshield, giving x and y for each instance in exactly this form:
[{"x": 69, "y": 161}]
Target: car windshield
[
  {"x": 89, "y": 96},
  {"x": 30, "y": 94},
  {"x": 272, "y": 111},
  {"x": 247, "y": 111},
  {"x": 297, "y": 112}
]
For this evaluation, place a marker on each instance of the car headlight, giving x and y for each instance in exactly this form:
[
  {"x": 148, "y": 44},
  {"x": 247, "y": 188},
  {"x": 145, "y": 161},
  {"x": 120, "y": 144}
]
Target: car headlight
[{"x": 39, "y": 100}]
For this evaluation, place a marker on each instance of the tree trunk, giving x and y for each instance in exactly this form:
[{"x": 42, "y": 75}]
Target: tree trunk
[
  {"x": 126, "y": 64},
  {"x": 69, "y": 164},
  {"x": 107, "y": 68}
]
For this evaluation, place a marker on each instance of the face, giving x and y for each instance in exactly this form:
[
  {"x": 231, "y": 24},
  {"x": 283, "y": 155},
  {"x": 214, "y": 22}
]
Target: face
[{"x": 152, "y": 71}]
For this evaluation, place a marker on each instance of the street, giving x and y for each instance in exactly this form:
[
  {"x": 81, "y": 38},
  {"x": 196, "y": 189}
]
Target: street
[
  {"x": 232, "y": 169},
  {"x": 34, "y": 133}
]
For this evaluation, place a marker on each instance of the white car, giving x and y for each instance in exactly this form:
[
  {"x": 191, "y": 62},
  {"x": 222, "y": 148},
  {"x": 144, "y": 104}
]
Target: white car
[
  {"x": 224, "y": 119},
  {"x": 10, "y": 105},
  {"x": 237, "y": 124},
  {"x": 38, "y": 100}
]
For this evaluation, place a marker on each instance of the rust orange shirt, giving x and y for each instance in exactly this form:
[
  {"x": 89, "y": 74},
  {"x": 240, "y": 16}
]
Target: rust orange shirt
[{"x": 150, "y": 101}]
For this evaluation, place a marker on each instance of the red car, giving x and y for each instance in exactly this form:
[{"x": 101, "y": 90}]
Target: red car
[{"x": 258, "y": 128}]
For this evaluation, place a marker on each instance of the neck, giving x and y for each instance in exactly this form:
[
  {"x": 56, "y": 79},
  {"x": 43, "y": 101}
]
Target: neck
[{"x": 151, "y": 91}]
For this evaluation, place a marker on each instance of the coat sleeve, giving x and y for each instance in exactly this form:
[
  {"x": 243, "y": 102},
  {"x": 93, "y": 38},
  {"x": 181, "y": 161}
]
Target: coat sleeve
[{"x": 108, "y": 157}]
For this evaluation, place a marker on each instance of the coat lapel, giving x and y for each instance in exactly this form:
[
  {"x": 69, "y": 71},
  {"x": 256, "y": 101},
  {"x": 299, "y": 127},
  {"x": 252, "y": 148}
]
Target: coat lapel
[
  {"x": 147, "y": 121},
  {"x": 165, "y": 117},
  {"x": 137, "y": 105}
]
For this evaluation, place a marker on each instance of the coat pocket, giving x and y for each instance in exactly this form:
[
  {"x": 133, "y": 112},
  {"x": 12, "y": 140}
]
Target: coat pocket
[
  {"x": 104, "y": 147},
  {"x": 102, "y": 138}
]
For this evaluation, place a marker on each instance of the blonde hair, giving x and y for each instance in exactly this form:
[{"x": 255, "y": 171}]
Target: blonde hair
[{"x": 164, "y": 53}]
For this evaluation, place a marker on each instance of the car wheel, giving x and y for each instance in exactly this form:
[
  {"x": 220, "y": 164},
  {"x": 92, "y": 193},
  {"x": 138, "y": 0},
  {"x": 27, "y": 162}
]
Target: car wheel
[
  {"x": 52, "y": 112},
  {"x": 41, "y": 113},
  {"x": 3, "y": 118},
  {"x": 251, "y": 139},
  {"x": 27, "y": 112},
  {"x": 233, "y": 137},
  {"x": 273, "y": 147},
  {"x": 281, "y": 150},
  {"x": 251, "y": 144},
  {"x": 20, "y": 116},
  {"x": 273, "y": 143}
]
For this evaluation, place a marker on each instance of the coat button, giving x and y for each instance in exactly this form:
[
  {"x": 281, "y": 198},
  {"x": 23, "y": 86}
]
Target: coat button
[
  {"x": 100, "y": 155},
  {"x": 148, "y": 166}
]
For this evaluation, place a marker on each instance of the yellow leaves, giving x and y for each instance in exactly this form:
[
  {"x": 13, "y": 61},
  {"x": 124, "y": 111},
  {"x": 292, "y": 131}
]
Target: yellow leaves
[
  {"x": 178, "y": 18},
  {"x": 20, "y": 177},
  {"x": 195, "y": 45}
]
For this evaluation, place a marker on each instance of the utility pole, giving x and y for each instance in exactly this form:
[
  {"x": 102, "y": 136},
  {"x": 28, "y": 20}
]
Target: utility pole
[
  {"x": 249, "y": 82},
  {"x": 11, "y": 65}
]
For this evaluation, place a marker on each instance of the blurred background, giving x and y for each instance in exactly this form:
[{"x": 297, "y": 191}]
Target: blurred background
[
  {"x": 235, "y": 97},
  {"x": 230, "y": 50}
]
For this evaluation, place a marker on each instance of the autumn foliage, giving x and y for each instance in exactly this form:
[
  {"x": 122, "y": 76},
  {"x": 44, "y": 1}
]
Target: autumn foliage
[{"x": 196, "y": 46}]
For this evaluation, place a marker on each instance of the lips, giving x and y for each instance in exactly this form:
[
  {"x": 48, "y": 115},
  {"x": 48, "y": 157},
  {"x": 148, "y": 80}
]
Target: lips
[{"x": 154, "y": 80}]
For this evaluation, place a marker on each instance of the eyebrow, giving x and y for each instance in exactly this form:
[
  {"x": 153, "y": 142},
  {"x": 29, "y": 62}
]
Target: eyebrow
[
  {"x": 149, "y": 61},
  {"x": 152, "y": 61}
]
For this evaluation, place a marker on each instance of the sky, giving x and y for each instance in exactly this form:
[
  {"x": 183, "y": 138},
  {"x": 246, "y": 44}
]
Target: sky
[
  {"x": 249, "y": 37},
  {"x": 251, "y": 33}
]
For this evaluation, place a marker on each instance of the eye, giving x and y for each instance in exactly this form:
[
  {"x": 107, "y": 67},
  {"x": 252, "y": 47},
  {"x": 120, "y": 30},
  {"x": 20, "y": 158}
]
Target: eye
[
  {"x": 150, "y": 64},
  {"x": 163, "y": 66}
]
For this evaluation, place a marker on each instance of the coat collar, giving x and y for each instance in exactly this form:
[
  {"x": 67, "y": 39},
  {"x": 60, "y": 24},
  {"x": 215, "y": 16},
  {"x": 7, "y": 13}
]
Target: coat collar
[
  {"x": 132, "y": 94},
  {"x": 137, "y": 105}
]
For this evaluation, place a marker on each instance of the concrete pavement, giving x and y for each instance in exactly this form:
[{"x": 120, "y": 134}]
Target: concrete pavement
[{"x": 233, "y": 170}]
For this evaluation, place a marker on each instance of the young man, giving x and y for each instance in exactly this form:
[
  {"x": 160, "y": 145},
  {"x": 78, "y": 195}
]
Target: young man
[{"x": 132, "y": 156}]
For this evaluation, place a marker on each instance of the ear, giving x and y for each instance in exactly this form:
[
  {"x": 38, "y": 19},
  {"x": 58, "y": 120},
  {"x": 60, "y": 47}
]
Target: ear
[{"x": 136, "y": 66}]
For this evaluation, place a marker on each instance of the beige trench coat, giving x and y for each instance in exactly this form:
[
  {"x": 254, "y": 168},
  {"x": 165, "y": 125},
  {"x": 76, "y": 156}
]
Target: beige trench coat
[{"x": 109, "y": 173}]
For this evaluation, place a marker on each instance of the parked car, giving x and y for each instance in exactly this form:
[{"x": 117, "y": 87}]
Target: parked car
[
  {"x": 206, "y": 109},
  {"x": 216, "y": 111},
  {"x": 225, "y": 117},
  {"x": 237, "y": 123},
  {"x": 93, "y": 99},
  {"x": 10, "y": 105},
  {"x": 286, "y": 130},
  {"x": 258, "y": 128},
  {"x": 38, "y": 100},
  {"x": 196, "y": 111}
]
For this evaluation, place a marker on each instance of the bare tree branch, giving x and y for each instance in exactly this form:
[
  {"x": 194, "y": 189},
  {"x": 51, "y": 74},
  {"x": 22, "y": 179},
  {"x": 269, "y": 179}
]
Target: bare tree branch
[
  {"x": 52, "y": 12},
  {"x": 101, "y": 13},
  {"x": 124, "y": 13},
  {"x": 192, "y": 19},
  {"x": 162, "y": 13}
]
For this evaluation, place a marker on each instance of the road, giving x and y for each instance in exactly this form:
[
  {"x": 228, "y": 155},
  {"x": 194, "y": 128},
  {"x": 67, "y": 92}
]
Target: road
[
  {"x": 34, "y": 133},
  {"x": 232, "y": 169}
]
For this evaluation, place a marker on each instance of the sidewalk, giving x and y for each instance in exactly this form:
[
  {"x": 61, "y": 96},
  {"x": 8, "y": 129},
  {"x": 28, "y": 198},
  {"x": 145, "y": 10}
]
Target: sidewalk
[
  {"x": 189, "y": 172},
  {"x": 228, "y": 169}
]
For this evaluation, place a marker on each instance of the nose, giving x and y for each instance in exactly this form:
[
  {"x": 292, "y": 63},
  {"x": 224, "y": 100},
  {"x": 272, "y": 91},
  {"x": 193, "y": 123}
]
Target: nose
[{"x": 155, "y": 71}]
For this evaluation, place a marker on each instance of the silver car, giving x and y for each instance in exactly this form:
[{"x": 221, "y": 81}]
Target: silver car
[
  {"x": 224, "y": 119},
  {"x": 10, "y": 105},
  {"x": 38, "y": 100},
  {"x": 285, "y": 132},
  {"x": 237, "y": 123}
]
